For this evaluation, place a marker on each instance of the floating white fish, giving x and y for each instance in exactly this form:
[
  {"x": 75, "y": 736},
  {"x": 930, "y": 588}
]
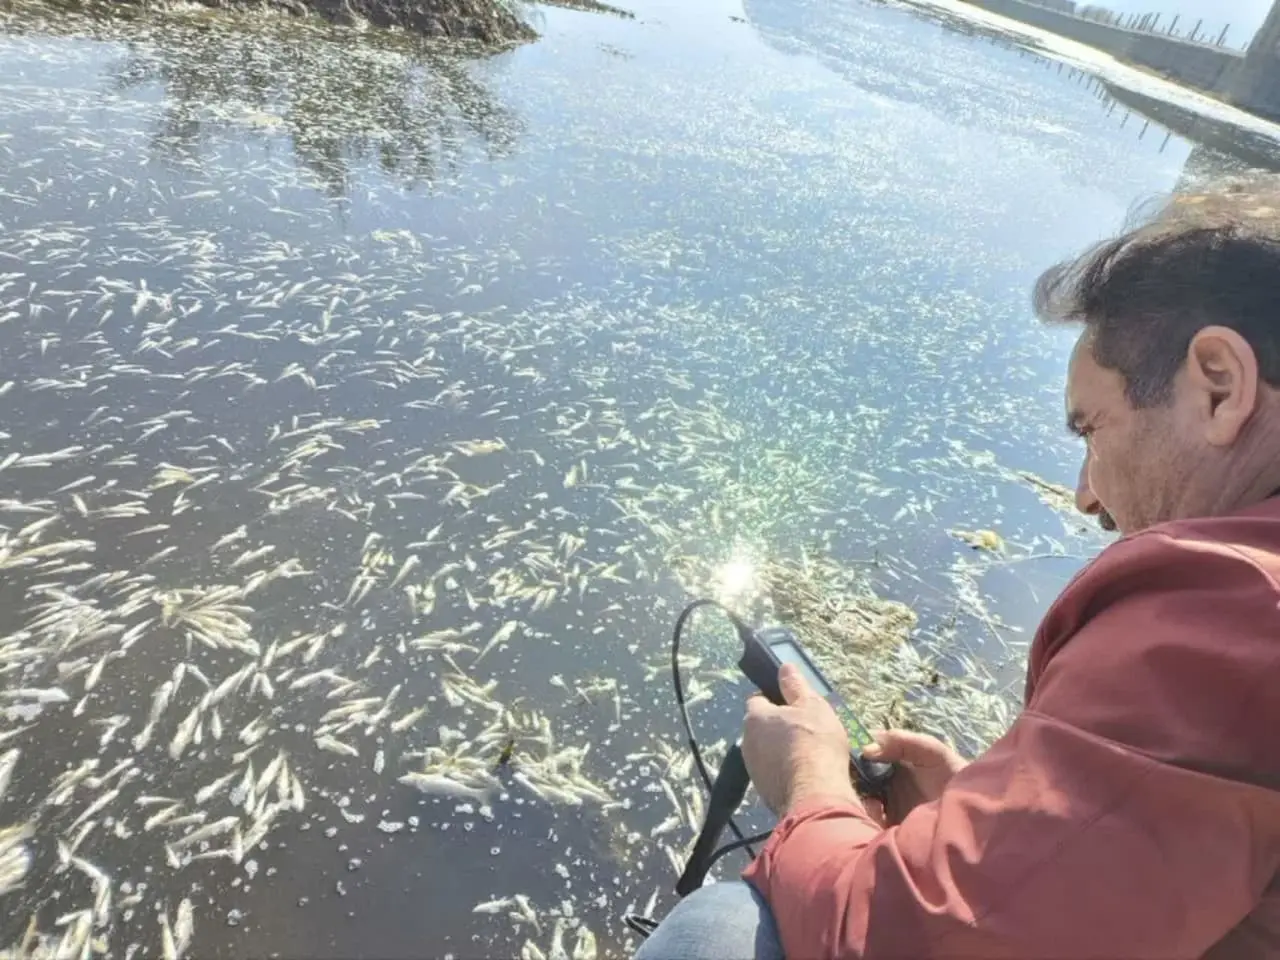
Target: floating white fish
[
  {"x": 438, "y": 785},
  {"x": 333, "y": 745}
]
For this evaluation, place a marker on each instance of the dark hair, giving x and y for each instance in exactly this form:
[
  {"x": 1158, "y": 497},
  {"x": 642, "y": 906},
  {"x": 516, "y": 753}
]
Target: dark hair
[{"x": 1191, "y": 261}]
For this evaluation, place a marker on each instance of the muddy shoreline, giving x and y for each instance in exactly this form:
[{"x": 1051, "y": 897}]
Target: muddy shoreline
[
  {"x": 495, "y": 23},
  {"x": 492, "y": 25}
]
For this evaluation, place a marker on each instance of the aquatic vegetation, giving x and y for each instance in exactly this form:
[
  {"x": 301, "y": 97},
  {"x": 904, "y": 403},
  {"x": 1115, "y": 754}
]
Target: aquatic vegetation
[{"x": 980, "y": 539}]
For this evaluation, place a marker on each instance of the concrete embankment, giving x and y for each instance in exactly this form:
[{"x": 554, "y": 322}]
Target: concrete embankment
[{"x": 1201, "y": 65}]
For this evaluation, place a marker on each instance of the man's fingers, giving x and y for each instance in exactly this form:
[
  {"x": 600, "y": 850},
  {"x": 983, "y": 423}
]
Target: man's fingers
[
  {"x": 792, "y": 683},
  {"x": 893, "y": 746}
]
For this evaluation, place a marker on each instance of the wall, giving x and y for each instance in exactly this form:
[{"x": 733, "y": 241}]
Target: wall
[
  {"x": 1198, "y": 65},
  {"x": 1257, "y": 86}
]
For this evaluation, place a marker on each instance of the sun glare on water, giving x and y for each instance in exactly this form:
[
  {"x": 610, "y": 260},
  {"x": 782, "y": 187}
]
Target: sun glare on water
[{"x": 736, "y": 578}]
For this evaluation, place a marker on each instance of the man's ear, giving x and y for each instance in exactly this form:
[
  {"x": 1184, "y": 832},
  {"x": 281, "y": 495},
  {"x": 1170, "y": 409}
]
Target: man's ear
[{"x": 1223, "y": 371}]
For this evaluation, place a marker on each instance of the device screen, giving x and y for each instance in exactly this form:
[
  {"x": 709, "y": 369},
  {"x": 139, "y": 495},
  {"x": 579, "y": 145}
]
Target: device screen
[{"x": 788, "y": 653}]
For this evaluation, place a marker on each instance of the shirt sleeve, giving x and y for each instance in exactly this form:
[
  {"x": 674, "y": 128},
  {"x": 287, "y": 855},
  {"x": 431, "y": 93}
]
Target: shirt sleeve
[{"x": 1066, "y": 840}]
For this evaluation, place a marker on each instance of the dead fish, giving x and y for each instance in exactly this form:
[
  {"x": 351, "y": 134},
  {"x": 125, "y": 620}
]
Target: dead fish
[
  {"x": 209, "y": 790},
  {"x": 239, "y": 533},
  {"x": 333, "y": 745},
  {"x": 168, "y": 946},
  {"x": 186, "y": 731},
  {"x": 504, "y": 633},
  {"x": 585, "y": 947},
  {"x": 207, "y": 832},
  {"x": 185, "y": 925},
  {"x": 408, "y": 720},
  {"x": 7, "y": 764},
  {"x": 405, "y": 569},
  {"x": 438, "y": 785},
  {"x": 159, "y": 701},
  {"x": 493, "y": 906},
  {"x": 162, "y": 817}
]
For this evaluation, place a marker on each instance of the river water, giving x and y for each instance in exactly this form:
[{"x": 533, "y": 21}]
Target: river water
[{"x": 370, "y": 410}]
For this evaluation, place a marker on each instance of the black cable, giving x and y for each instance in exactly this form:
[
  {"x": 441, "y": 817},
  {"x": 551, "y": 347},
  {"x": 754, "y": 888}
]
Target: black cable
[
  {"x": 743, "y": 840},
  {"x": 737, "y": 845},
  {"x": 679, "y": 684}
]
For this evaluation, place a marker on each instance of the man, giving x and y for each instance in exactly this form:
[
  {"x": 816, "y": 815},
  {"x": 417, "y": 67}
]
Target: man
[{"x": 1133, "y": 809}]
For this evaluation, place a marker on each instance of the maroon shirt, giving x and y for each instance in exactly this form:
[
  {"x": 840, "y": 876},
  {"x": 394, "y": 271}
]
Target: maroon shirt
[{"x": 1131, "y": 811}]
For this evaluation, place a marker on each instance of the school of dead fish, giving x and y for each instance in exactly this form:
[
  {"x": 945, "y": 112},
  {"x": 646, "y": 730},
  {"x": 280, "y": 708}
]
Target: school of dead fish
[{"x": 276, "y": 515}]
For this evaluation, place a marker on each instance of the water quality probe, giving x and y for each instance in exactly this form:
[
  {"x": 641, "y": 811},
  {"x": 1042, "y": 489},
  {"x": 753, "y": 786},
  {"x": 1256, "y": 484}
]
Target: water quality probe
[{"x": 764, "y": 651}]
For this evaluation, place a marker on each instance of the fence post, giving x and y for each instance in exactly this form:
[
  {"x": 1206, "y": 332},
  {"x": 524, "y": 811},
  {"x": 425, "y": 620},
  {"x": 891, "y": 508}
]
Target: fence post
[
  {"x": 1197, "y": 29},
  {"x": 1223, "y": 35},
  {"x": 1173, "y": 24}
]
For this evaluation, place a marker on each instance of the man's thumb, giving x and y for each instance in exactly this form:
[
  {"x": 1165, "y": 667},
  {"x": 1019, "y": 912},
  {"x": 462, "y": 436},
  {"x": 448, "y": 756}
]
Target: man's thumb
[
  {"x": 894, "y": 746},
  {"x": 792, "y": 683}
]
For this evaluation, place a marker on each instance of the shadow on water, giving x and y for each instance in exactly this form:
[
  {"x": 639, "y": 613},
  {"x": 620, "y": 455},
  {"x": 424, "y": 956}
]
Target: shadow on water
[
  {"x": 411, "y": 115},
  {"x": 411, "y": 106}
]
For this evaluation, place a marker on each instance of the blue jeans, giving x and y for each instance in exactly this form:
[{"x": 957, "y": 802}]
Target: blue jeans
[{"x": 721, "y": 921}]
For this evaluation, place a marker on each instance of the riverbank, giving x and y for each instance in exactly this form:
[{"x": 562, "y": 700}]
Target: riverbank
[
  {"x": 494, "y": 24},
  {"x": 1105, "y": 66}
]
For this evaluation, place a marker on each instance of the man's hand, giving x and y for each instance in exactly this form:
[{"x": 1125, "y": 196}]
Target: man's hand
[
  {"x": 925, "y": 767},
  {"x": 799, "y": 751}
]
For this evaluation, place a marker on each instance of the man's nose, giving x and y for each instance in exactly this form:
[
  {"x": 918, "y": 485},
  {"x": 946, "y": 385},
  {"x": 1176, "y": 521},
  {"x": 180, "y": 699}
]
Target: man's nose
[{"x": 1086, "y": 502}]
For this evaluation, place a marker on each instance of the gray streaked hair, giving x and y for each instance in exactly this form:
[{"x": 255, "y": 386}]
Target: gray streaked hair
[{"x": 1186, "y": 262}]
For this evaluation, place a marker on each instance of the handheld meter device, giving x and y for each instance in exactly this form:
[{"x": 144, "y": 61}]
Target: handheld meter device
[{"x": 765, "y": 651}]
